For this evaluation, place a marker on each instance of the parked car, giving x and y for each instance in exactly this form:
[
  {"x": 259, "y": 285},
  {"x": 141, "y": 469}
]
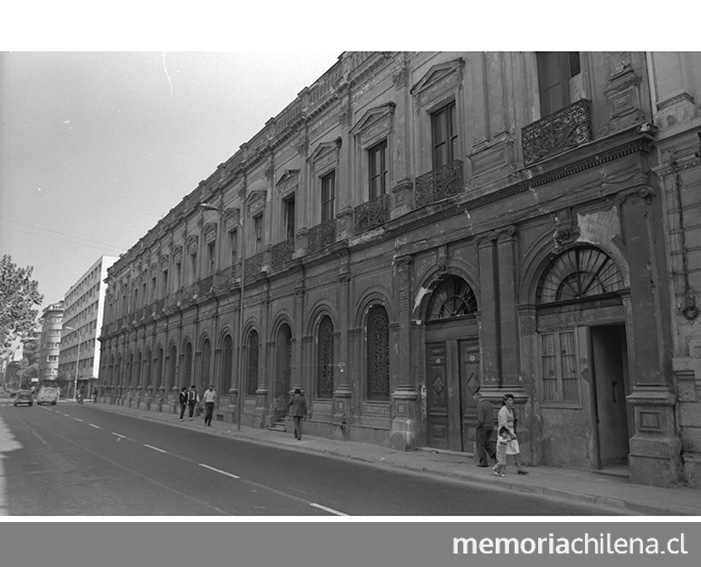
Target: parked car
[
  {"x": 24, "y": 397},
  {"x": 47, "y": 395}
]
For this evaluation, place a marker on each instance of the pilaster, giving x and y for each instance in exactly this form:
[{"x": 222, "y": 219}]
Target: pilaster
[{"x": 404, "y": 400}]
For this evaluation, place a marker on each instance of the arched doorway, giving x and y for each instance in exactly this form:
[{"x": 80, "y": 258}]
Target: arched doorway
[
  {"x": 583, "y": 360},
  {"x": 283, "y": 363},
  {"x": 452, "y": 365},
  {"x": 205, "y": 378}
]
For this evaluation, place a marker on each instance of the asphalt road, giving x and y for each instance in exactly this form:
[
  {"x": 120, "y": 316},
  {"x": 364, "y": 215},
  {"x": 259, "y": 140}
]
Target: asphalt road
[{"x": 71, "y": 459}]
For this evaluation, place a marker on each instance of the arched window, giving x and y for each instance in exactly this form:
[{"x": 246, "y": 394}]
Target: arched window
[
  {"x": 378, "y": 354},
  {"x": 253, "y": 348},
  {"x": 172, "y": 367},
  {"x": 205, "y": 378},
  {"x": 453, "y": 297},
  {"x": 147, "y": 369},
  {"x": 187, "y": 366},
  {"x": 158, "y": 378},
  {"x": 577, "y": 274},
  {"x": 325, "y": 359},
  {"x": 227, "y": 363}
]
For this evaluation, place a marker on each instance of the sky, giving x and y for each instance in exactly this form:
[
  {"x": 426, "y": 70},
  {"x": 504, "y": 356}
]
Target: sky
[
  {"x": 108, "y": 118},
  {"x": 98, "y": 146}
]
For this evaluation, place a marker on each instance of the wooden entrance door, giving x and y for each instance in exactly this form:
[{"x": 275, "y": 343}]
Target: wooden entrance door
[
  {"x": 452, "y": 378},
  {"x": 283, "y": 353}
]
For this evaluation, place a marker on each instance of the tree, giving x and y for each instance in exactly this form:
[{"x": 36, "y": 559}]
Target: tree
[
  {"x": 31, "y": 349},
  {"x": 18, "y": 295}
]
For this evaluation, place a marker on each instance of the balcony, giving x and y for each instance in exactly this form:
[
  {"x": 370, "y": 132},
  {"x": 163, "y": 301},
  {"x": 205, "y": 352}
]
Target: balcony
[
  {"x": 282, "y": 252},
  {"x": 439, "y": 184},
  {"x": 371, "y": 214},
  {"x": 205, "y": 285},
  {"x": 254, "y": 265},
  {"x": 557, "y": 133},
  {"x": 321, "y": 236}
]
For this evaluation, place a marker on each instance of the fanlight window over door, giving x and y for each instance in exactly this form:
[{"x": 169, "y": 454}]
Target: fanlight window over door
[
  {"x": 453, "y": 297},
  {"x": 577, "y": 274}
]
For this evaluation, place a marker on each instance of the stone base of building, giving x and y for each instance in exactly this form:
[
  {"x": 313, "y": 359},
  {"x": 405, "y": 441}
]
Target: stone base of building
[{"x": 655, "y": 449}]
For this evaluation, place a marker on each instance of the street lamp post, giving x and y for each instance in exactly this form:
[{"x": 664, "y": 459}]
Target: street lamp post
[
  {"x": 77, "y": 361},
  {"x": 242, "y": 224}
]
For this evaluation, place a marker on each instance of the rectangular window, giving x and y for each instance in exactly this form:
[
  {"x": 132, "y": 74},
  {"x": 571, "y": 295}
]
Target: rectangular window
[
  {"x": 377, "y": 169},
  {"x": 164, "y": 279},
  {"x": 193, "y": 268},
  {"x": 178, "y": 275},
  {"x": 560, "y": 377},
  {"x": 555, "y": 71},
  {"x": 445, "y": 136},
  {"x": 258, "y": 230},
  {"x": 290, "y": 217},
  {"x": 232, "y": 246},
  {"x": 212, "y": 256},
  {"x": 328, "y": 195}
]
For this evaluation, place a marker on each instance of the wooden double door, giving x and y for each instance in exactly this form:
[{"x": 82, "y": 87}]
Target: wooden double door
[{"x": 452, "y": 378}]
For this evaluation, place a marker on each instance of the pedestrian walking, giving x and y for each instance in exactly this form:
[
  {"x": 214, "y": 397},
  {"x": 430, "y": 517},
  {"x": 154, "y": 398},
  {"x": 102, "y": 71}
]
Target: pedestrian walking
[
  {"x": 192, "y": 400},
  {"x": 209, "y": 398},
  {"x": 483, "y": 431},
  {"x": 182, "y": 398},
  {"x": 506, "y": 419},
  {"x": 299, "y": 411}
]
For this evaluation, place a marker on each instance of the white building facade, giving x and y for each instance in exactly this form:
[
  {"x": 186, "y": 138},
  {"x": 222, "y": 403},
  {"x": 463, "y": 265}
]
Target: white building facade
[{"x": 82, "y": 319}]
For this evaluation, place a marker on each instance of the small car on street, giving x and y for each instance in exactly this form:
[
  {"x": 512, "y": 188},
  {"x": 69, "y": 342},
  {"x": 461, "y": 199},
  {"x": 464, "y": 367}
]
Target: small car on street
[
  {"x": 47, "y": 395},
  {"x": 24, "y": 397}
]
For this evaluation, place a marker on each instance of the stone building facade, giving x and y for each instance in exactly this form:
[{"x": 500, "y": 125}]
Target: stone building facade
[{"x": 417, "y": 226}]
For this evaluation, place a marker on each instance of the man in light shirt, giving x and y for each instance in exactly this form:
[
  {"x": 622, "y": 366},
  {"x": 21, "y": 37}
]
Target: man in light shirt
[{"x": 209, "y": 398}]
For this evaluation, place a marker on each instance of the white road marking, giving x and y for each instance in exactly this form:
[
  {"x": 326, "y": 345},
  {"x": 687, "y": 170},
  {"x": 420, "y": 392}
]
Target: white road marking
[
  {"x": 329, "y": 510},
  {"x": 155, "y": 448},
  {"x": 95, "y": 426},
  {"x": 118, "y": 435},
  {"x": 77, "y": 419},
  {"x": 217, "y": 470}
]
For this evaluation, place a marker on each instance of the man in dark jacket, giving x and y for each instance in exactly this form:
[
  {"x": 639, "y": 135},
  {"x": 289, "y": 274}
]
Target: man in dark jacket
[
  {"x": 192, "y": 400},
  {"x": 299, "y": 411},
  {"x": 483, "y": 432}
]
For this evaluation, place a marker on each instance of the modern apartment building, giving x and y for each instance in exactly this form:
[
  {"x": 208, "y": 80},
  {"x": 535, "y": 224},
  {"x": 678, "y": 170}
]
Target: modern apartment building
[
  {"x": 50, "y": 343},
  {"x": 416, "y": 226},
  {"x": 83, "y": 305}
]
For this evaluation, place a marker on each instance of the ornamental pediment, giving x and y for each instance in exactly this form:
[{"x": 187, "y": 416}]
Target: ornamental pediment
[
  {"x": 191, "y": 244},
  {"x": 438, "y": 80},
  {"x": 210, "y": 231},
  {"x": 324, "y": 156},
  {"x": 288, "y": 182},
  {"x": 375, "y": 123}
]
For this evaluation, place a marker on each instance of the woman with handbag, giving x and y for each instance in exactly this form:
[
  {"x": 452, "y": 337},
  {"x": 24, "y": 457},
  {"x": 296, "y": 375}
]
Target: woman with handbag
[{"x": 506, "y": 419}]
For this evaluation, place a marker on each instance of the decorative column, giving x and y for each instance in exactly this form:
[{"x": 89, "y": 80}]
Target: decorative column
[
  {"x": 671, "y": 73},
  {"x": 261, "y": 411},
  {"x": 403, "y": 188},
  {"x": 489, "y": 308},
  {"x": 342, "y": 391},
  {"x": 655, "y": 446},
  {"x": 404, "y": 400}
]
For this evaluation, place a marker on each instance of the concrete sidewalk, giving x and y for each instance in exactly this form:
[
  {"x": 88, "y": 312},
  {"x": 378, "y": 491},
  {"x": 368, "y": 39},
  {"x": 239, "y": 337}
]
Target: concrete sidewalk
[{"x": 614, "y": 494}]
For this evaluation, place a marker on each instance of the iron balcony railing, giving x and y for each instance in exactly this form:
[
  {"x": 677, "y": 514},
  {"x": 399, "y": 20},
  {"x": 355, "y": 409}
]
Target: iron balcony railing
[
  {"x": 562, "y": 131},
  {"x": 439, "y": 184},
  {"x": 372, "y": 214},
  {"x": 282, "y": 252},
  {"x": 322, "y": 235}
]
